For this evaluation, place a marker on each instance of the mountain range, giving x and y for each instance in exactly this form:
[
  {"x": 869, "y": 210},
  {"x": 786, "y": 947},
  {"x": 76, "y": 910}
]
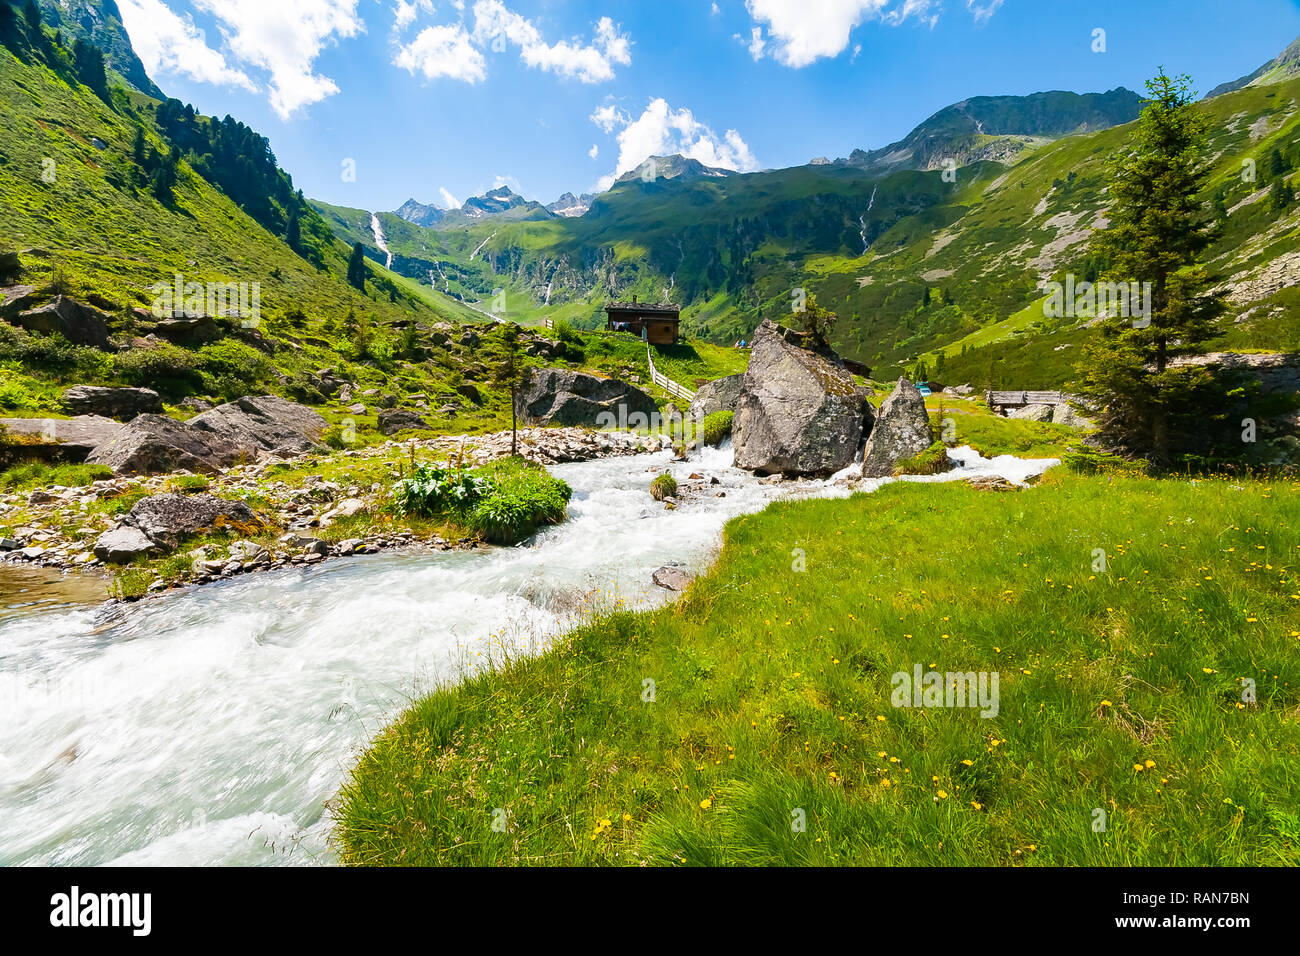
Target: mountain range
[{"x": 933, "y": 249}]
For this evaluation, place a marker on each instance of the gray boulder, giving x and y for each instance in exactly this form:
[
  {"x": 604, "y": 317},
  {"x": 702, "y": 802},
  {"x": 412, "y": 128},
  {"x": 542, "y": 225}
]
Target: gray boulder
[
  {"x": 902, "y": 431},
  {"x": 672, "y": 579},
  {"x": 1032, "y": 413},
  {"x": 263, "y": 426},
  {"x": 1065, "y": 414},
  {"x": 717, "y": 396},
  {"x": 121, "y": 403},
  {"x": 79, "y": 324},
  {"x": 123, "y": 545},
  {"x": 152, "y": 444},
  {"x": 394, "y": 420},
  {"x": 166, "y": 519},
  {"x": 69, "y": 439},
  {"x": 551, "y": 396},
  {"x": 799, "y": 412}
]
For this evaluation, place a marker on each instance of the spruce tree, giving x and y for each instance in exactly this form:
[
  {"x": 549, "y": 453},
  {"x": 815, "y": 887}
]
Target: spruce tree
[
  {"x": 357, "y": 268},
  {"x": 293, "y": 233},
  {"x": 508, "y": 373},
  {"x": 1159, "y": 229}
]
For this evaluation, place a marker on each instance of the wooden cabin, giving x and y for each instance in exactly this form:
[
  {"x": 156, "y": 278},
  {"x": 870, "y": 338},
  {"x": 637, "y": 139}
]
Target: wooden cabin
[{"x": 657, "y": 324}]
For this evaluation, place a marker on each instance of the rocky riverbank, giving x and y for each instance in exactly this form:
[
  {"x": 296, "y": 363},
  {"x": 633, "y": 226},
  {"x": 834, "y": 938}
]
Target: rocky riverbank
[{"x": 283, "y": 512}]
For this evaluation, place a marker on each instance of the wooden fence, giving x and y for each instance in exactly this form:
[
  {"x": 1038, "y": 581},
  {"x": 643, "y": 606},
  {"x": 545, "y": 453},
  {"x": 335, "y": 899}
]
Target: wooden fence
[{"x": 666, "y": 383}]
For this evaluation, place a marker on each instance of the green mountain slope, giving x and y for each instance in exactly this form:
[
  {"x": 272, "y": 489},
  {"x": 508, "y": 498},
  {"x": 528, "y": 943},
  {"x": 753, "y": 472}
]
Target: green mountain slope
[
  {"x": 914, "y": 264},
  {"x": 88, "y": 219},
  {"x": 1000, "y": 127}
]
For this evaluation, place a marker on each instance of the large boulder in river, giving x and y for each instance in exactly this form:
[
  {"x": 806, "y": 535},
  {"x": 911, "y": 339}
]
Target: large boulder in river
[
  {"x": 799, "y": 411},
  {"x": 79, "y": 324},
  {"x": 62, "y": 439},
  {"x": 902, "y": 431},
  {"x": 552, "y": 396},
  {"x": 153, "y": 444},
  {"x": 167, "y": 519},
  {"x": 264, "y": 425},
  {"x": 122, "y": 403},
  {"x": 720, "y": 395}
]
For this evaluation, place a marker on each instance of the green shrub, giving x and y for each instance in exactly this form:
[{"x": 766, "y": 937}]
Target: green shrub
[
  {"x": 431, "y": 491},
  {"x": 503, "y": 502},
  {"x": 168, "y": 369},
  {"x": 714, "y": 428},
  {"x": 14, "y": 395},
  {"x": 665, "y": 486},
  {"x": 1086, "y": 460},
  {"x": 522, "y": 498},
  {"x": 188, "y": 484},
  {"x": 230, "y": 368},
  {"x": 131, "y": 584},
  {"x": 339, "y": 438},
  {"x": 933, "y": 461}
]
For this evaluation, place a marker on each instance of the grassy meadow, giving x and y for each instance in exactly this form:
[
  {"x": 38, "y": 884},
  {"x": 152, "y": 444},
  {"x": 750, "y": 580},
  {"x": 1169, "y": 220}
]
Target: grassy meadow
[{"x": 1125, "y": 618}]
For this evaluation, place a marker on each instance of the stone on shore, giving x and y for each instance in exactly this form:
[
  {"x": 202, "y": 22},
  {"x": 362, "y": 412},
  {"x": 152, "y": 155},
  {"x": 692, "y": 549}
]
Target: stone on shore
[
  {"x": 551, "y": 396},
  {"x": 902, "y": 431}
]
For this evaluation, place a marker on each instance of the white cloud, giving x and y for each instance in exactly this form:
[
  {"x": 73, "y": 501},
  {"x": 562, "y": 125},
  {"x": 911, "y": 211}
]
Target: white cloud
[
  {"x": 716, "y": 10},
  {"x": 802, "y": 33},
  {"x": 166, "y": 43},
  {"x": 284, "y": 37},
  {"x": 496, "y": 25},
  {"x": 442, "y": 51},
  {"x": 610, "y": 118},
  {"x": 405, "y": 12},
  {"x": 982, "y": 11},
  {"x": 594, "y": 151},
  {"x": 756, "y": 43},
  {"x": 450, "y": 201},
  {"x": 662, "y": 131}
]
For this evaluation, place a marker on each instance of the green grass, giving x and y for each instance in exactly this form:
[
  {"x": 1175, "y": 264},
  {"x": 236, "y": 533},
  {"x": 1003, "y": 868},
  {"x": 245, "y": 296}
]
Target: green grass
[
  {"x": 35, "y": 474},
  {"x": 932, "y": 461},
  {"x": 716, "y": 427},
  {"x": 772, "y": 697}
]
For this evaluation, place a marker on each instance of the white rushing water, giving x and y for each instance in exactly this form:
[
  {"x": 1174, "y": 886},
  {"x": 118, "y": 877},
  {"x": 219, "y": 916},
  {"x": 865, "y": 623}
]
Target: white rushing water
[
  {"x": 381, "y": 241},
  {"x": 211, "y": 726}
]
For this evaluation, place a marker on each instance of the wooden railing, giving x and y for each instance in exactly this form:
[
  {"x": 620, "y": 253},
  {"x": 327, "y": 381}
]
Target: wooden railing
[
  {"x": 548, "y": 324},
  {"x": 1020, "y": 399},
  {"x": 666, "y": 383}
]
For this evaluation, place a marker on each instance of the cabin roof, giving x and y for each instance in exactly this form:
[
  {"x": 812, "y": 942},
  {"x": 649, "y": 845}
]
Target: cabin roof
[{"x": 645, "y": 308}]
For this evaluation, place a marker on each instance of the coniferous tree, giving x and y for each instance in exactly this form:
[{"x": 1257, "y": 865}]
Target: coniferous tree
[
  {"x": 88, "y": 64},
  {"x": 357, "y": 268},
  {"x": 509, "y": 373},
  {"x": 1159, "y": 228},
  {"x": 293, "y": 233},
  {"x": 1281, "y": 195}
]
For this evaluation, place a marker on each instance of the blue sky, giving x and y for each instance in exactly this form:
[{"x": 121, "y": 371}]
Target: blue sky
[{"x": 442, "y": 99}]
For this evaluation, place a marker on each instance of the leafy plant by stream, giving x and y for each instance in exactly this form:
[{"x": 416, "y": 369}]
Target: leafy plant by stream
[{"x": 504, "y": 502}]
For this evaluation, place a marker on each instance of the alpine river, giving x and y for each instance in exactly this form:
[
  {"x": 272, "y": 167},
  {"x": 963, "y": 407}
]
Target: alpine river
[{"x": 213, "y": 725}]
